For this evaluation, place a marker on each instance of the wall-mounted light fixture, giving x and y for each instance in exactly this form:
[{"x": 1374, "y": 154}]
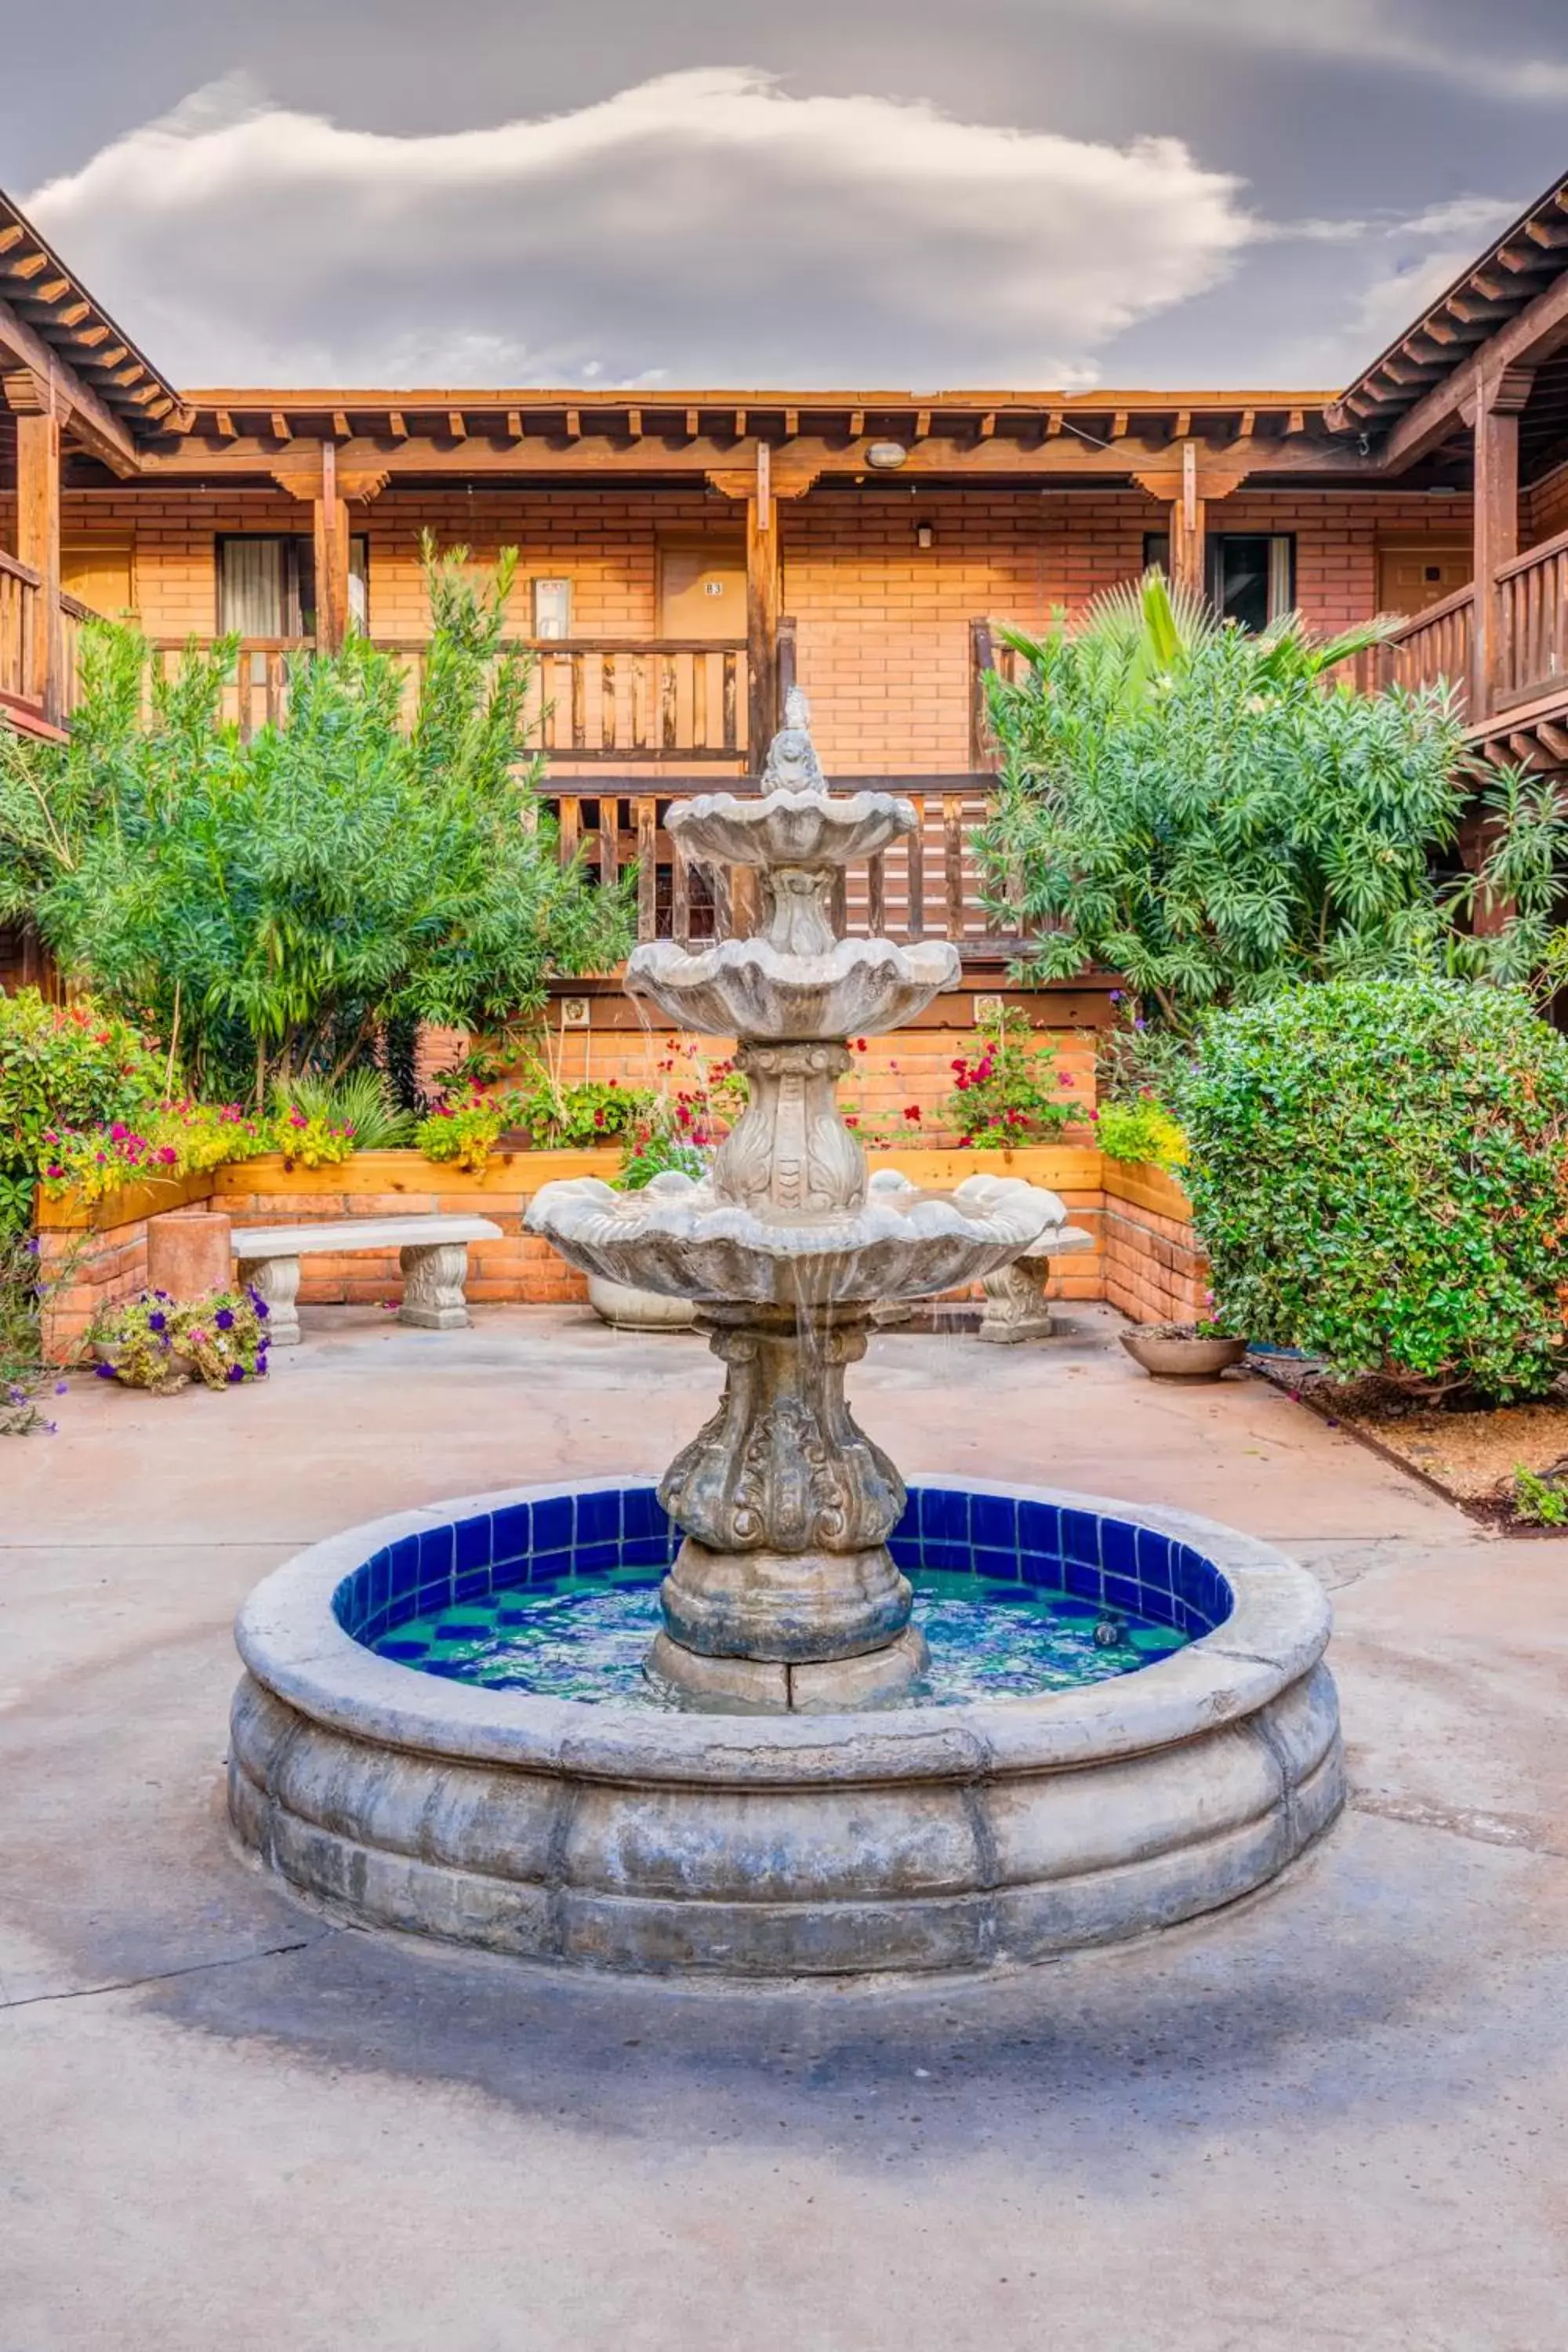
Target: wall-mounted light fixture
[
  {"x": 885, "y": 456},
  {"x": 924, "y": 535}
]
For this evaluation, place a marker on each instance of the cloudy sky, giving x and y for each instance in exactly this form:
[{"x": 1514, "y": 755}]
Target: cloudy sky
[{"x": 1012, "y": 192}]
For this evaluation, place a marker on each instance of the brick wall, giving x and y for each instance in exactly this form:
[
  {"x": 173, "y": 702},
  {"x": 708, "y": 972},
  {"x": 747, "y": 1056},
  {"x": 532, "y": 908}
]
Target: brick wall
[
  {"x": 1144, "y": 1259},
  {"x": 1154, "y": 1268},
  {"x": 884, "y": 623}
]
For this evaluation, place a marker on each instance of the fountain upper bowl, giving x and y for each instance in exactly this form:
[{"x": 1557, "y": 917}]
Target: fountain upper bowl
[{"x": 790, "y": 828}]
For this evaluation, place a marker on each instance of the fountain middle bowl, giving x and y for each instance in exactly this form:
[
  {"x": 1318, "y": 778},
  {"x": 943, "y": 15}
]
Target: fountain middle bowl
[
  {"x": 678, "y": 1237},
  {"x": 753, "y": 990}
]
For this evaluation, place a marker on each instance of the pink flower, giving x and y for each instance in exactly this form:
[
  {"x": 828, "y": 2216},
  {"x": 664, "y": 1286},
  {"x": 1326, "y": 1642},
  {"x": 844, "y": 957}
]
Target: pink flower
[{"x": 168, "y": 1155}]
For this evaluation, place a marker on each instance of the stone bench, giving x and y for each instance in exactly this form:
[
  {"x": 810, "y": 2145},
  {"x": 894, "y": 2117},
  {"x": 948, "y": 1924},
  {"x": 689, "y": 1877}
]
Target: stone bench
[
  {"x": 433, "y": 1252},
  {"x": 1016, "y": 1307}
]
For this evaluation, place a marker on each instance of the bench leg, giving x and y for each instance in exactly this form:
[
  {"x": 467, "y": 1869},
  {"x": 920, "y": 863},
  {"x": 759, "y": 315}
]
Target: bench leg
[
  {"x": 433, "y": 1274},
  {"x": 1015, "y": 1303},
  {"x": 275, "y": 1280}
]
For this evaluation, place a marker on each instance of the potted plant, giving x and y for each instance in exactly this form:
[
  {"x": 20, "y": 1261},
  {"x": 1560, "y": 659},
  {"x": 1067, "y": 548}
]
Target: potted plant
[
  {"x": 1183, "y": 1351},
  {"x": 157, "y": 1342}
]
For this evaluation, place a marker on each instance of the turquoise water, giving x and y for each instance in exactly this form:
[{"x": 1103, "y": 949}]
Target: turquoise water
[{"x": 585, "y": 1638}]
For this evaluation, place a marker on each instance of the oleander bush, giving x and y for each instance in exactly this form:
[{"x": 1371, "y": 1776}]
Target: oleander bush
[{"x": 1379, "y": 1173}]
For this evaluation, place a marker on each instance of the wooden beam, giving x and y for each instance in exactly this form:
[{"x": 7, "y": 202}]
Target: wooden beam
[
  {"x": 1055, "y": 420},
  {"x": 224, "y": 424},
  {"x": 332, "y": 541},
  {"x": 792, "y": 423},
  {"x": 986, "y": 427},
  {"x": 573, "y": 426},
  {"x": 1552, "y": 236},
  {"x": 93, "y": 422},
  {"x": 30, "y": 267},
  {"x": 633, "y": 423},
  {"x": 1296, "y": 422},
  {"x": 1495, "y": 526},
  {"x": 857, "y": 423},
  {"x": 38, "y": 546},
  {"x": 55, "y": 291},
  {"x": 1119, "y": 425},
  {"x": 1532, "y": 335},
  {"x": 455, "y": 424},
  {"x": 395, "y": 425},
  {"x": 763, "y": 605},
  {"x": 11, "y": 235},
  {"x": 923, "y": 425},
  {"x": 693, "y": 425},
  {"x": 514, "y": 424},
  {"x": 342, "y": 429},
  {"x": 1062, "y": 455},
  {"x": 280, "y": 426},
  {"x": 1555, "y": 739}
]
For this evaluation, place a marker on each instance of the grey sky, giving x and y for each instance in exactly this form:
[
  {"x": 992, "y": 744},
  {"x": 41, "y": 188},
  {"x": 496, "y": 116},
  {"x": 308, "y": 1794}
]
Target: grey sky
[{"x": 1019, "y": 192}]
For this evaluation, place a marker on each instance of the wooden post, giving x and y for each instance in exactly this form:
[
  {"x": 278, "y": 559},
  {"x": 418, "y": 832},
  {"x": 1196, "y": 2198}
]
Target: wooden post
[
  {"x": 763, "y": 597},
  {"x": 1187, "y": 533},
  {"x": 38, "y": 532},
  {"x": 1496, "y": 521},
  {"x": 331, "y": 535}
]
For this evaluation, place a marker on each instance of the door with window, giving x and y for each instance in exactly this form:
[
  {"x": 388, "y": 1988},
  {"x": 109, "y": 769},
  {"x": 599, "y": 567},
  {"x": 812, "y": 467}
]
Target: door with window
[
  {"x": 98, "y": 567},
  {"x": 1411, "y": 577},
  {"x": 703, "y": 591},
  {"x": 1248, "y": 576},
  {"x": 266, "y": 584}
]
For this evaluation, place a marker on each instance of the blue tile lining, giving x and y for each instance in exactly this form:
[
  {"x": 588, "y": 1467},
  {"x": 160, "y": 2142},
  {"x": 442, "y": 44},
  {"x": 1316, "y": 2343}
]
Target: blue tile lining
[{"x": 1005, "y": 1539}]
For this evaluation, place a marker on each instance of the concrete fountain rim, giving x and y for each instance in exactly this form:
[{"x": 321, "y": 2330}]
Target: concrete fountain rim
[{"x": 292, "y": 1644}]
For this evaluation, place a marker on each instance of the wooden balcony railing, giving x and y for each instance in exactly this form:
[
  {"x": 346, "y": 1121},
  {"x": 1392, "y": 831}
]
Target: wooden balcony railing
[
  {"x": 1437, "y": 644},
  {"x": 926, "y": 886},
  {"x": 21, "y": 607},
  {"x": 1532, "y": 622},
  {"x": 589, "y": 700}
]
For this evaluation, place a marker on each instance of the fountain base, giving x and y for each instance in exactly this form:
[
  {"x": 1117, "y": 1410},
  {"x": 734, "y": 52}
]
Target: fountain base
[{"x": 779, "y": 1686}]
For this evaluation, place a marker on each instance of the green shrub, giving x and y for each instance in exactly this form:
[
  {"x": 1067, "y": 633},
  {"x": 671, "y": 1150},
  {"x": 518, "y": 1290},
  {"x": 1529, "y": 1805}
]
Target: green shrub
[
  {"x": 1378, "y": 1176},
  {"x": 565, "y": 1118},
  {"x": 62, "y": 1066},
  {"x": 1002, "y": 1095},
  {"x": 1140, "y": 1131},
  {"x": 360, "y": 1102},
  {"x": 1540, "y": 1501},
  {"x": 463, "y": 1134}
]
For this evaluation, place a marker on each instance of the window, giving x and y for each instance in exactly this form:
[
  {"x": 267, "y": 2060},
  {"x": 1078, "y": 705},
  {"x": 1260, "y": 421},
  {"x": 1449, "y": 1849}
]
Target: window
[
  {"x": 1250, "y": 576},
  {"x": 267, "y": 585},
  {"x": 552, "y": 608}
]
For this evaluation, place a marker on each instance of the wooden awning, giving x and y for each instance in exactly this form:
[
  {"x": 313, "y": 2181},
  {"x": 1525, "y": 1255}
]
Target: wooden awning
[
  {"x": 51, "y": 328},
  {"x": 1483, "y": 303}
]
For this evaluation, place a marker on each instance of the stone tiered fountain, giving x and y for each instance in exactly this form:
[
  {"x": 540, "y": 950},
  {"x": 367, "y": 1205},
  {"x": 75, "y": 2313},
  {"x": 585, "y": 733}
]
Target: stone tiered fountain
[
  {"x": 785, "y": 1594},
  {"x": 451, "y": 1722}
]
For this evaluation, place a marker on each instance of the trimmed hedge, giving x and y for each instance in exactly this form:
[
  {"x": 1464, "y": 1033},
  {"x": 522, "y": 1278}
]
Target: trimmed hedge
[{"x": 1378, "y": 1175}]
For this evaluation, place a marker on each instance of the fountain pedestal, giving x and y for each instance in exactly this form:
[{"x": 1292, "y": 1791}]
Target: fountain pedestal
[{"x": 783, "y": 1592}]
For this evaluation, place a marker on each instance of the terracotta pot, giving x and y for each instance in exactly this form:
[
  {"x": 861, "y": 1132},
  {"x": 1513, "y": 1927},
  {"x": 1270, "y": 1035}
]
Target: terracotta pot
[
  {"x": 628, "y": 1309},
  {"x": 1175, "y": 1355}
]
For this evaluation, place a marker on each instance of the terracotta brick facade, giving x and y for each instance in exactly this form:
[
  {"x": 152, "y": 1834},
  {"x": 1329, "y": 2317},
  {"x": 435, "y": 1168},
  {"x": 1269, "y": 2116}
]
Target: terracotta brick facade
[{"x": 883, "y": 623}]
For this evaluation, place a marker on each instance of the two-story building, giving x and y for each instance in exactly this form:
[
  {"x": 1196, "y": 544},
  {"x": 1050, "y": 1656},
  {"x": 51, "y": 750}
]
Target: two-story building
[{"x": 683, "y": 555}]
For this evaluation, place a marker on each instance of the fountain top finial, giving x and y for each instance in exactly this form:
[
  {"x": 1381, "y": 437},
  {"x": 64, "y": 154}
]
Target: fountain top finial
[{"x": 792, "y": 764}]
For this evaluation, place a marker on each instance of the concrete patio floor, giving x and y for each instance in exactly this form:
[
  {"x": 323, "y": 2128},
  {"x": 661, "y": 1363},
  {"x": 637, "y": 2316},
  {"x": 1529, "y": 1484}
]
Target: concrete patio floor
[{"x": 1332, "y": 2117}]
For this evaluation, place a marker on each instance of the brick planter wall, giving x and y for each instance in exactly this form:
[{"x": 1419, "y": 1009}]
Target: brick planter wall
[
  {"x": 1145, "y": 1261},
  {"x": 1155, "y": 1269}
]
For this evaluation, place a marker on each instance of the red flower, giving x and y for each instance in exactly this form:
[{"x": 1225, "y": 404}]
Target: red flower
[{"x": 912, "y": 1113}]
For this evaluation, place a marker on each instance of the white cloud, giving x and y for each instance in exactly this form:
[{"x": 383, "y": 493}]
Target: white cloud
[
  {"x": 1419, "y": 271},
  {"x": 1402, "y": 34},
  {"x": 706, "y": 227}
]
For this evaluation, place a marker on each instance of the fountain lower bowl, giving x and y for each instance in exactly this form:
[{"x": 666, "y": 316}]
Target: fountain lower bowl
[{"x": 995, "y": 1832}]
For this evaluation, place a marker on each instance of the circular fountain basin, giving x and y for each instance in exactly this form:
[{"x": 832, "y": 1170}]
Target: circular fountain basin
[
  {"x": 788, "y": 828},
  {"x": 990, "y": 1832}
]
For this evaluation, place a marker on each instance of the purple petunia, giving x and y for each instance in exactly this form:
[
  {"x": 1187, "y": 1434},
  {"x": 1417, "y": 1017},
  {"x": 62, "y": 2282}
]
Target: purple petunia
[
  {"x": 224, "y": 1320},
  {"x": 62, "y": 1387},
  {"x": 235, "y": 1372},
  {"x": 104, "y": 1372},
  {"x": 157, "y": 1322}
]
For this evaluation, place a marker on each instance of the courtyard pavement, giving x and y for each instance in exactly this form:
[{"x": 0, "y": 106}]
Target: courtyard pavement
[{"x": 1332, "y": 2117}]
